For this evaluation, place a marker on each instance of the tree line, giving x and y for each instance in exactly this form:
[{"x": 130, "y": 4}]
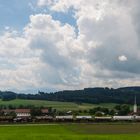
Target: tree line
[
  {"x": 120, "y": 109},
  {"x": 88, "y": 95}
]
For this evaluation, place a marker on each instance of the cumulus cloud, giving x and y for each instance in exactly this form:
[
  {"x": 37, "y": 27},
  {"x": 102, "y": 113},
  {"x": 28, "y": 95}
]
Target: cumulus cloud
[
  {"x": 102, "y": 50},
  {"x": 42, "y": 3},
  {"x": 17, "y": 62},
  {"x": 106, "y": 30},
  {"x": 45, "y": 55},
  {"x": 56, "y": 43},
  {"x": 122, "y": 58}
]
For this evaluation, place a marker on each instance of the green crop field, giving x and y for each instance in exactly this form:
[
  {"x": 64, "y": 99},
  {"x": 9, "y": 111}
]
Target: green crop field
[
  {"x": 56, "y": 105},
  {"x": 71, "y": 132}
]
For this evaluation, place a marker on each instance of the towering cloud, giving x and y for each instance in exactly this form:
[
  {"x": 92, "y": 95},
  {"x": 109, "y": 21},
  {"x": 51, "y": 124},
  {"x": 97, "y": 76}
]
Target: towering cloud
[{"x": 101, "y": 50}]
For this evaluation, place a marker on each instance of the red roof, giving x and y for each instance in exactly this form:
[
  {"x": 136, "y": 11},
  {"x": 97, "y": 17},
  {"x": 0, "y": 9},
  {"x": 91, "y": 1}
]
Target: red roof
[
  {"x": 22, "y": 110},
  {"x": 44, "y": 110}
]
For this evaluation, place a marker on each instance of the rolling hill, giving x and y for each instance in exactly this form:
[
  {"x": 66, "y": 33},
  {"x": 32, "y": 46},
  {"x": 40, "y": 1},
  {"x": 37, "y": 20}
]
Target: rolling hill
[
  {"x": 54, "y": 104},
  {"x": 88, "y": 95}
]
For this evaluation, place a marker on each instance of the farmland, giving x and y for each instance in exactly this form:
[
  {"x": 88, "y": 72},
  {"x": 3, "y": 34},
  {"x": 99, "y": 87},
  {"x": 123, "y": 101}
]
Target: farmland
[
  {"x": 71, "y": 132},
  {"x": 54, "y": 104}
]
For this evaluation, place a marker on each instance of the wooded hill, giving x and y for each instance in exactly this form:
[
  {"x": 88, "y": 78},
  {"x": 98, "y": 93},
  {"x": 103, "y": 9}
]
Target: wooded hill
[{"x": 88, "y": 95}]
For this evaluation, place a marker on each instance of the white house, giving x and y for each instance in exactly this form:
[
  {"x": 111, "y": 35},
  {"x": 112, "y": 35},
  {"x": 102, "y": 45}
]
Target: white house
[
  {"x": 83, "y": 117},
  {"x": 103, "y": 118},
  {"x": 123, "y": 118},
  {"x": 23, "y": 112},
  {"x": 64, "y": 117}
]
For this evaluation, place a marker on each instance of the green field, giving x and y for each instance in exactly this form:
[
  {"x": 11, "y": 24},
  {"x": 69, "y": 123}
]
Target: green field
[
  {"x": 56, "y": 105},
  {"x": 71, "y": 132}
]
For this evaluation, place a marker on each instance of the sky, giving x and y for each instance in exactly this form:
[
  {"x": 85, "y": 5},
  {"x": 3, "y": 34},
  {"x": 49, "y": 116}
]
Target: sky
[{"x": 69, "y": 44}]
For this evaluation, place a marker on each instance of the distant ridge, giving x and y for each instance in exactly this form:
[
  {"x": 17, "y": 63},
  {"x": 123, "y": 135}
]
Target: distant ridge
[
  {"x": 136, "y": 88},
  {"x": 123, "y": 95}
]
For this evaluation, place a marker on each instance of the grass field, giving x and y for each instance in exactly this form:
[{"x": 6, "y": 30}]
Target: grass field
[
  {"x": 71, "y": 132},
  {"x": 56, "y": 105}
]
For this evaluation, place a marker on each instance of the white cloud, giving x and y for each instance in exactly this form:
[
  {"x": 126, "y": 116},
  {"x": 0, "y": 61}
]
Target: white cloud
[
  {"x": 106, "y": 29},
  {"x": 45, "y": 55},
  {"x": 42, "y": 3},
  {"x": 122, "y": 58},
  {"x": 51, "y": 54},
  {"x": 17, "y": 62},
  {"x": 7, "y": 27},
  {"x": 58, "y": 47}
]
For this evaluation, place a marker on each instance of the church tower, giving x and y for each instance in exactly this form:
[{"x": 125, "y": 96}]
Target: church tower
[{"x": 135, "y": 106}]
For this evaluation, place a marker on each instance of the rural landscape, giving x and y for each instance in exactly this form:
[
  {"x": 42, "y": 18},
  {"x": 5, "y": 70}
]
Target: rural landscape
[
  {"x": 33, "y": 116},
  {"x": 69, "y": 69}
]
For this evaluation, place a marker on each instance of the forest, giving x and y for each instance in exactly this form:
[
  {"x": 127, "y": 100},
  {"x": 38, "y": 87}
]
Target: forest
[{"x": 98, "y": 95}]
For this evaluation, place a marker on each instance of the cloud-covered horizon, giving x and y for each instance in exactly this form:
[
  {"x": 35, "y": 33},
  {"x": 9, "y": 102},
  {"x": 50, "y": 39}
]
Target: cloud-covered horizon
[{"x": 102, "y": 49}]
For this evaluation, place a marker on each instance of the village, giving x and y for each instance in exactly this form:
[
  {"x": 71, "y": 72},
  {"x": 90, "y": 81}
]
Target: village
[{"x": 44, "y": 114}]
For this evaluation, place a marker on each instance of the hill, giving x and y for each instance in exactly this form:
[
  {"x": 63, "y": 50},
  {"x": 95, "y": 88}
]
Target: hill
[
  {"x": 61, "y": 106},
  {"x": 98, "y": 95}
]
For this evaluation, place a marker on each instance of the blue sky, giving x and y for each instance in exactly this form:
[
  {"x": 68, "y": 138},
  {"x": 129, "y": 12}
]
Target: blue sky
[
  {"x": 15, "y": 14},
  {"x": 68, "y": 44}
]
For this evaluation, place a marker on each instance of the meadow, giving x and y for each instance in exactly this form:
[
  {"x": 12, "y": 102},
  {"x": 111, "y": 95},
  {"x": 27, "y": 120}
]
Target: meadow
[
  {"x": 54, "y": 104},
  {"x": 70, "y": 132}
]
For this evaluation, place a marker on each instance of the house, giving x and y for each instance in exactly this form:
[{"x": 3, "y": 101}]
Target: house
[
  {"x": 7, "y": 111},
  {"x": 103, "y": 118},
  {"x": 44, "y": 118},
  {"x": 69, "y": 112},
  {"x": 70, "y": 117},
  {"x": 44, "y": 111},
  {"x": 23, "y": 112},
  {"x": 137, "y": 118},
  {"x": 83, "y": 117},
  {"x": 123, "y": 118}
]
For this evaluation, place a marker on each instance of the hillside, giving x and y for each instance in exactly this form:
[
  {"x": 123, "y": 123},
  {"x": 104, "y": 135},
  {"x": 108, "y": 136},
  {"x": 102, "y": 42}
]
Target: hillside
[
  {"x": 88, "y": 95},
  {"x": 55, "y": 105}
]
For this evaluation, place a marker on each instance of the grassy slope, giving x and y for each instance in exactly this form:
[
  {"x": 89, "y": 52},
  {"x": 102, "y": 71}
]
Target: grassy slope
[
  {"x": 56, "y": 105},
  {"x": 71, "y": 132}
]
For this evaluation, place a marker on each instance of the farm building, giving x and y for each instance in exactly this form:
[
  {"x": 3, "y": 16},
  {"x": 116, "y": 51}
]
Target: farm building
[
  {"x": 83, "y": 117},
  {"x": 123, "y": 118},
  {"x": 7, "y": 111},
  {"x": 105, "y": 118},
  {"x": 23, "y": 112},
  {"x": 70, "y": 117},
  {"x": 44, "y": 111}
]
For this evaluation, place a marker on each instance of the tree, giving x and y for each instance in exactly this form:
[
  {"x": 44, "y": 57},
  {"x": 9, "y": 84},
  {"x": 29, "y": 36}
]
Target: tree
[
  {"x": 112, "y": 112},
  {"x": 36, "y": 112},
  {"x": 99, "y": 109},
  {"x": 123, "y": 109},
  {"x": 99, "y": 113}
]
